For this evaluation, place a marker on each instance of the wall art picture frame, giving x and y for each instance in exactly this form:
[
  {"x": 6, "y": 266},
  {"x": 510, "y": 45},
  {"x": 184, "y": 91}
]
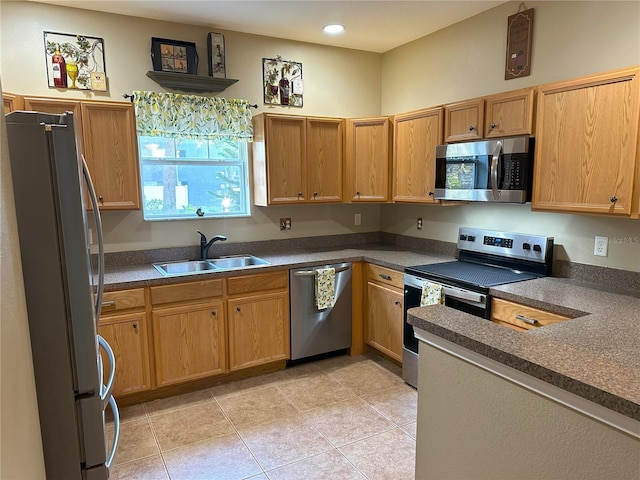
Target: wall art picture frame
[
  {"x": 216, "y": 54},
  {"x": 174, "y": 56},
  {"x": 519, "y": 40},
  {"x": 75, "y": 61},
  {"x": 282, "y": 82}
]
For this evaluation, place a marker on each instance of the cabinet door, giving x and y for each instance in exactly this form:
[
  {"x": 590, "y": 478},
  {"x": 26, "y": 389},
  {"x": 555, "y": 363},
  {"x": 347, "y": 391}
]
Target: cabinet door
[
  {"x": 128, "y": 338},
  {"x": 324, "y": 159},
  {"x": 189, "y": 342},
  {"x": 416, "y": 136},
  {"x": 586, "y": 144},
  {"x": 464, "y": 121},
  {"x": 285, "y": 143},
  {"x": 367, "y": 160},
  {"x": 509, "y": 114},
  {"x": 56, "y": 105},
  {"x": 384, "y": 320},
  {"x": 111, "y": 152},
  {"x": 11, "y": 102},
  {"x": 258, "y": 330}
]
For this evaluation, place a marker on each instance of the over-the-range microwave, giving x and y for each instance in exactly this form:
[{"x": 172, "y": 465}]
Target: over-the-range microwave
[{"x": 497, "y": 170}]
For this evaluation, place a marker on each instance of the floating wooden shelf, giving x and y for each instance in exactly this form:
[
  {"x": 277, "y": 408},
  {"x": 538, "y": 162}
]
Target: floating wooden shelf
[{"x": 190, "y": 83}]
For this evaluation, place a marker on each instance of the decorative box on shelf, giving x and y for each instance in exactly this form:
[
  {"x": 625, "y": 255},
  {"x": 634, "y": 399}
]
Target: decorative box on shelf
[{"x": 190, "y": 83}]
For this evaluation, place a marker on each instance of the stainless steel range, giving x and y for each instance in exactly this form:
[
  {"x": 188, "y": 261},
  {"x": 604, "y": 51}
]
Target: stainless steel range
[{"x": 486, "y": 258}]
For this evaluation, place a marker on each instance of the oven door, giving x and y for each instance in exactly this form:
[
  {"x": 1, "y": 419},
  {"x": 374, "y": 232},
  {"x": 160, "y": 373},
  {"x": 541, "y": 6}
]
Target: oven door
[{"x": 457, "y": 298}]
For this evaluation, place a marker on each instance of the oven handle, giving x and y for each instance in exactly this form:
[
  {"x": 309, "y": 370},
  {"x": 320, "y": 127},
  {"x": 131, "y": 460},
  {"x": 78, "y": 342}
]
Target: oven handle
[
  {"x": 463, "y": 294},
  {"x": 494, "y": 170}
]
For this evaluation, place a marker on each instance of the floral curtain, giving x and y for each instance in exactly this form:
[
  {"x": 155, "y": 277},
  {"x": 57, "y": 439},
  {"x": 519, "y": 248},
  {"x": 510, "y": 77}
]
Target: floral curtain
[{"x": 190, "y": 116}]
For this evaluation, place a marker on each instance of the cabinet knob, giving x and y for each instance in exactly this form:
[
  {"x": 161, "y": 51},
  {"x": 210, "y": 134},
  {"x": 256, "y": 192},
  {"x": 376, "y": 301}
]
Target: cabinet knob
[
  {"x": 613, "y": 198},
  {"x": 471, "y": 128},
  {"x": 358, "y": 193},
  {"x": 214, "y": 313},
  {"x": 100, "y": 198},
  {"x": 315, "y": 194},
  {"x": 299, "y": 194},
  {"x": 238, "y": 309},
  {"x": 431, "y": 194},
  {"x": 493, "y": 125},
  {"x": 135, "y": 326},
  {"x": 397, "y": 302}
]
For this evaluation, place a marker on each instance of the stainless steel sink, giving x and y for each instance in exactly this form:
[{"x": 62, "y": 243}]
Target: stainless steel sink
[
  {"x": 186, "y": 267},
  {"x": 191, "y": 267},
  {"x": 237, "y": 261}
]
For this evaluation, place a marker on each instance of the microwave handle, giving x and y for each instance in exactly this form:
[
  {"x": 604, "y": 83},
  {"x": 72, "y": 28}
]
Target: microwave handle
[{"x": 494, "y": 170}]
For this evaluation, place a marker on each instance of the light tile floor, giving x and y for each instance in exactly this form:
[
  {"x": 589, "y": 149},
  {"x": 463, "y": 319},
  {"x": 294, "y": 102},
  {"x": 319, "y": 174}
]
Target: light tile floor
[{"x": 339, "y": 418}]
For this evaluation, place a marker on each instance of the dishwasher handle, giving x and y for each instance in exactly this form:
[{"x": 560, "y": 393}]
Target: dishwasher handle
[{"x": 312, "y": 273}]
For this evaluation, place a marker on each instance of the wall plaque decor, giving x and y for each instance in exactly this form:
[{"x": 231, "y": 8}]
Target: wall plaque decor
[
  {"x": 519, "y": 39},
  {"x": 215, "y": 49},
  {"x": 174, "y": 56},
  {"x": 75, "y": 61},
  {"x": 282, "y": 82}
]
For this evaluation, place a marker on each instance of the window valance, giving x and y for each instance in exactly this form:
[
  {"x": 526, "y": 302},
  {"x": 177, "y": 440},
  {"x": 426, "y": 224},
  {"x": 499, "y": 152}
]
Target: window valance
[{"x": 191, "y": 116}]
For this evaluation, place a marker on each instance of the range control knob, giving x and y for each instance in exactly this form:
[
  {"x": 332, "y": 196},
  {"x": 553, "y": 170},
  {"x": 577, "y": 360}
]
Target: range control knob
[
  {"x": 537, "y": 248},
  {"x": 471, "y": 238},
  {"x": 526, "y": 246},
  {"x": 463, "y": 237}
]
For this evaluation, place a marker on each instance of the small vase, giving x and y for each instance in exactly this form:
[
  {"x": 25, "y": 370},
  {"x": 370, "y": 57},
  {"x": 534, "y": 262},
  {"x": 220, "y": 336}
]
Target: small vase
[{"x": 72, "y": 71}]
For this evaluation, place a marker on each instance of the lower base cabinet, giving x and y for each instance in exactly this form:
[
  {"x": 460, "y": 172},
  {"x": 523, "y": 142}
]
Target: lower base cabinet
[
  {"x": 384, "y": 322},
  {"x": 258, "y": 330},
  {"x": 127, "y": 335},
  {"x": 189, "y": 342}
]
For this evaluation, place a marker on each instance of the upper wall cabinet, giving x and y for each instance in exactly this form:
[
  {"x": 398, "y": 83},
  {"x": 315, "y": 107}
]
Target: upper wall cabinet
[
  {"x": 367, "y": 160},
  {"x": 586, "y": 156},
  {"x": 11, "y": 102},
  {"x": 416, "y": 135},
  {"x": 297, "y": 159},
  {"x": 501, "y": 115},
  {"x": 109, "y": 144}
]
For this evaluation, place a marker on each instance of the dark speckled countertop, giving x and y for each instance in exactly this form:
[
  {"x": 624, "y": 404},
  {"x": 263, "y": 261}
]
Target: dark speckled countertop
[{"x": 595, "y": 354}]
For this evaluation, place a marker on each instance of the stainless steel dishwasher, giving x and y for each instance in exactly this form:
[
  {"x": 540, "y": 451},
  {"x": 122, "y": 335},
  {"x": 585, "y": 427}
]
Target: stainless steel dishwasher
[{"x": 313, "y": 331}]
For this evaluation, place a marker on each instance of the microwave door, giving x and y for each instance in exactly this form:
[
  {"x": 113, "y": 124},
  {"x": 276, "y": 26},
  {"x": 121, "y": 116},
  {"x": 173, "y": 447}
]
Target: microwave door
[{"x": 495, "y": 169}]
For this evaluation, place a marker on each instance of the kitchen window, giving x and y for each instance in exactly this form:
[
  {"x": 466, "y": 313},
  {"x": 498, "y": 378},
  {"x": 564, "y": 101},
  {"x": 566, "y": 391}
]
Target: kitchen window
[
  {"x": 187, "y": 178},
  {"x": 193, "y": 155}
]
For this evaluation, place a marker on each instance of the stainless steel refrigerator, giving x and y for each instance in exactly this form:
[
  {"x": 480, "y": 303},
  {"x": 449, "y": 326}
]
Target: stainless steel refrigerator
[{"x": 63, "y": 299}]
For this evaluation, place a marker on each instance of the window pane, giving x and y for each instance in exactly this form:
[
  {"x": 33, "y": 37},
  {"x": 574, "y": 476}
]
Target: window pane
[
  {"x": 191, "y": 148},
  {"x": 157, "y": 147},
  {"x": 224, "y": 150},
  {"x": 179, "y": 190}
]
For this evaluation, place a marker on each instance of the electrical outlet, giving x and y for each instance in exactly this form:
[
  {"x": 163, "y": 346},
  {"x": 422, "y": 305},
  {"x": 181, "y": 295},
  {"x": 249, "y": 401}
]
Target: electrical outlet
[
  {"x": 419, "y": 223},
  {"x": 600, "y": 246},
  {"x": 357, "y": 219},
  {"x": 285, "y": 224}
]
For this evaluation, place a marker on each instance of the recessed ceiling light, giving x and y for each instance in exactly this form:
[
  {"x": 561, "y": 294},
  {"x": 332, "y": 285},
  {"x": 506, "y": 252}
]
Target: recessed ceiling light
[{"x": 333, "y": 28}]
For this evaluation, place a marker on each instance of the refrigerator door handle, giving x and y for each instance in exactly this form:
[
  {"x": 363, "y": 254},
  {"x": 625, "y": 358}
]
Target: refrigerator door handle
[
  {"x": 105, "y": 390},
  {"x": 98, "y": 224},
  {"x": 116, "y": 431}
]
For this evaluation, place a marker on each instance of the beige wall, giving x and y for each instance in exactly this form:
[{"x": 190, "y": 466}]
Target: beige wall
[
  {"x": 20, "y": 444},
  {"x": 338, "y": 82},
  {"x": 466, "y": 60}
]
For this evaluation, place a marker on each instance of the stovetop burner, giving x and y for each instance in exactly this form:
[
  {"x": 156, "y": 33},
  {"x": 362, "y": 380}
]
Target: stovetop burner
[{"x": 471, "y": 273}]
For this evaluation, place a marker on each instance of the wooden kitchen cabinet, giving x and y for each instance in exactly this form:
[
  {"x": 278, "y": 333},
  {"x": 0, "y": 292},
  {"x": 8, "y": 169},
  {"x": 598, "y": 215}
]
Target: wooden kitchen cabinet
[
  {"x": 416, "y": 136},
  {"x": 385, "y": 311},
  {"x": 258, "y": 309},
  {"x": 189, "y": 331},
  {"x": 509, "y": 113},
  {"x": 189, "y": 342},
  {"x": 297, "y": 159},
  {"x": 521, "y": 317},
  {"x": 501, "y": 115},
  {"x": 11, "y": 102},
  {"x": 586, "y": 154},
  {"x": 367, "y": 163},
  {"x": 123, "y": 324},
  {"x": 109, "y": 143}
]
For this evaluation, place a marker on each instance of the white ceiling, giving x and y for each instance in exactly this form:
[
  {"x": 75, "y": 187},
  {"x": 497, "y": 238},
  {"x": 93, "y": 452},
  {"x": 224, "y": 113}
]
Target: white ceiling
[{"x": 375, "y": 26}]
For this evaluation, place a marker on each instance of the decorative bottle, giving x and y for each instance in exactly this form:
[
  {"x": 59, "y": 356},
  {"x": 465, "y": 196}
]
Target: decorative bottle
[
  {"x": 59, "y": 69},
  {"x": 284, "y": 90}
]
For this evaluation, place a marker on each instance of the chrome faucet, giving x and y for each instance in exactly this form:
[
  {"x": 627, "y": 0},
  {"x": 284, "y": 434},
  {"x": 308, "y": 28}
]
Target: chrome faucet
[{"x": 204, "y": 245}]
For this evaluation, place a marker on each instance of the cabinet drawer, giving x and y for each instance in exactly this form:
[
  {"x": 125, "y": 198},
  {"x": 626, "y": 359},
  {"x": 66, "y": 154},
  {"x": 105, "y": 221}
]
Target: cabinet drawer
[
  {"x": 503, "y": 311},
  {"x": 255, "y": 283},
  {"x": 122, "y": 300},
  {"x": 385, "y": 276},
  {"x": 186, "y": 291}
]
